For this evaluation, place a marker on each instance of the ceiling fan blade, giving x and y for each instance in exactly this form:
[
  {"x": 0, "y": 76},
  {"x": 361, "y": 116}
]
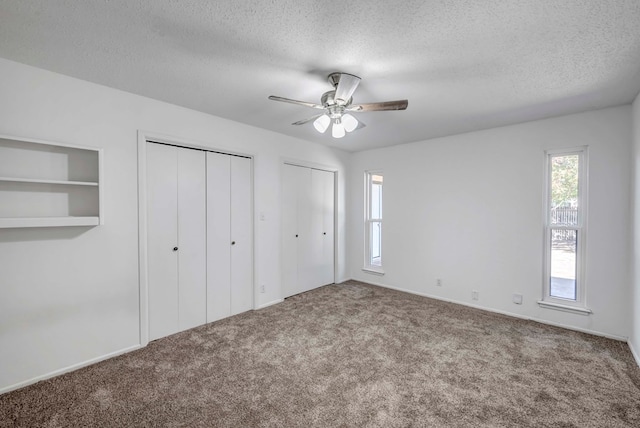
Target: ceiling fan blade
[
  {"x": 301, "y": 103},
  {"x": 346, "y": 87},
  {"x": 386, "y": 105},
  {"x": 311, "y": 119}
]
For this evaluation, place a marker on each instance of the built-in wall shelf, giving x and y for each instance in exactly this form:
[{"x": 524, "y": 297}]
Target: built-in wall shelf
[
  {"x": 62, "y": 182},
  {"x": 46, "y": 184},
  {"x": 48, "y": 221}
]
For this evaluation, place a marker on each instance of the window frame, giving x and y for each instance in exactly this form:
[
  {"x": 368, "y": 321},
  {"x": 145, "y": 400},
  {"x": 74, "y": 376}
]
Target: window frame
[
  {"x": 369, "y": 221},
  {"x": 579, "y": 305}
]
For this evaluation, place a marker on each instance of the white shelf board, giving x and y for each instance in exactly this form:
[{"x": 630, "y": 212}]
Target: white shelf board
[
  {"x": 13, "y": 222},
  {"x": 40, "y": 181},
  {"x": 48, "y": 143}
]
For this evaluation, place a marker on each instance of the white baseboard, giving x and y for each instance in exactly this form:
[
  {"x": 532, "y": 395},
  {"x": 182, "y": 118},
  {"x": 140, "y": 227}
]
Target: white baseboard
[
  {"x": 497, "y": 311},
  {"x": 271, "y": 303},
  {"x": 67, "y": 369},
  {"x": 635, "y": 354}
]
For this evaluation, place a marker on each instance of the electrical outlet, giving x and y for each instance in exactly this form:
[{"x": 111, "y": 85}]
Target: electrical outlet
[
  {"x": 517, "y": 298},
  {"x": 262, "y": 288},
  {"x": 475, "y": 295},
  {"x": 439, "y": 282}
]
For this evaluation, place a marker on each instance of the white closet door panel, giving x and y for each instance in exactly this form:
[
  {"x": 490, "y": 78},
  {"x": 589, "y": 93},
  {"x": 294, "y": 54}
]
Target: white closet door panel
[
  {"x": 162, "y": 213},
  {"x": 316, "y": 228},
  {"x": 192, "y": 241},
  {"x": 328, "y": 231},
  {"x": 308, "y": 240},
  {"x": 289, "y": 227},
  {"x": 241, "y": 236},
  {"x": 218, "y": 236}
]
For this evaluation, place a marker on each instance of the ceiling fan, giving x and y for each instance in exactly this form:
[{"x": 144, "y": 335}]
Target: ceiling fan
[{"x": 337, "y": 106}]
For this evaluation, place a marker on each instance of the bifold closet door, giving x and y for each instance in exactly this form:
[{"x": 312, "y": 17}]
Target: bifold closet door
[
  {"x": 162, "y": 236},
  {"x": 176, "y": 242},
  {"x": 323, "y": 190},
  {"x": 218, "y": 236},
  {"x": 296, "y": 223},
  {"x": 307, "y": 229},
  {"x": 192, "y": 239},
  {"x": 241, "y": 236},
  {"x": 229, "y": 236}
]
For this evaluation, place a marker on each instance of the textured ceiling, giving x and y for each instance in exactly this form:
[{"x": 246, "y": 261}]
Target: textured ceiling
[{"x": 463, "y": 65}]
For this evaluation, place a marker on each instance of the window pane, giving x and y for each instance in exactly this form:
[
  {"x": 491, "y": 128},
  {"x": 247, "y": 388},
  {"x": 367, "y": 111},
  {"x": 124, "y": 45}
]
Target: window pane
[
  {"x": 564, "y": 244},
  {"x": 564, "y": 190},
  {"x": 375, "y": 232},
  {"x": 373, "y": 226},
  {"x": 376, "y": 200}
]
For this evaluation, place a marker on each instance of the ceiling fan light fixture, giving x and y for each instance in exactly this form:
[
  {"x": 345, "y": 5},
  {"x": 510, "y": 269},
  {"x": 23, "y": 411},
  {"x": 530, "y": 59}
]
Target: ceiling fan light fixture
[
  {"x": 350, "y": 123},
  {"x": 337, "y": 131},
  {"x": 322, "y": 123}
]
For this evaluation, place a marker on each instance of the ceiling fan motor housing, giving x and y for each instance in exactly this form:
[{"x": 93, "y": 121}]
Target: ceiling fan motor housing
[
  {"x": 334, "y": 110},
  {"x": 334, "y": 78}
]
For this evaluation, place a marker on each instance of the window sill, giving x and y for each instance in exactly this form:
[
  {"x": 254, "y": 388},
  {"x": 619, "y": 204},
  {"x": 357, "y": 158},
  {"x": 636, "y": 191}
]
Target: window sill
[
  {"x": 373, "y": 270},
  {"x": 564, "y": 308}
]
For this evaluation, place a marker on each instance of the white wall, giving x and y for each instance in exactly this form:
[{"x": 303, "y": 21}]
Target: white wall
[
  {"x": 634, "y": 336},
  {"x": 70, "y": 295},
  {"x": 468, "y": 209}
]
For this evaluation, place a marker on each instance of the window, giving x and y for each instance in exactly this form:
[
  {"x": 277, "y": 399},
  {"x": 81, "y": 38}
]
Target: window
[
  {"x": 565, "y": 219},
  {"x": 373, "y": 222}
]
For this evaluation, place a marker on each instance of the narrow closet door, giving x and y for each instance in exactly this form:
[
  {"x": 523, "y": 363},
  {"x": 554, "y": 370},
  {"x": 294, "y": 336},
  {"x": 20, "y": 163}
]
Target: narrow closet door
[
  {"x": 327, "y": 259},
  {"x": 192, "y": 240},
  {"x": 218, "y": 236},
  {"x": 318, "y": 263},
  {"x": 308, "y": 239},
  {"x": 315, "y": 197},
  {"x": 289, "y": 227},
  {"x": 241, "y": 236},
  {"x": 162, "y": 218}
]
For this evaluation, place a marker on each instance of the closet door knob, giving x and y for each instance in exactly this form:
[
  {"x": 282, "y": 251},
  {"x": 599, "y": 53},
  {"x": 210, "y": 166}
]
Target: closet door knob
[
  {"x": 233, "y": 242},
  {"x": 175, "y": 248},
  {"x": 296, "y": 236},
  {"x": 324, "y": 233}
]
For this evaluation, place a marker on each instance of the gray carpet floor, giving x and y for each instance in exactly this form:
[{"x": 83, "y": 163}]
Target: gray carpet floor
[{"x": 349, "y": 355}]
